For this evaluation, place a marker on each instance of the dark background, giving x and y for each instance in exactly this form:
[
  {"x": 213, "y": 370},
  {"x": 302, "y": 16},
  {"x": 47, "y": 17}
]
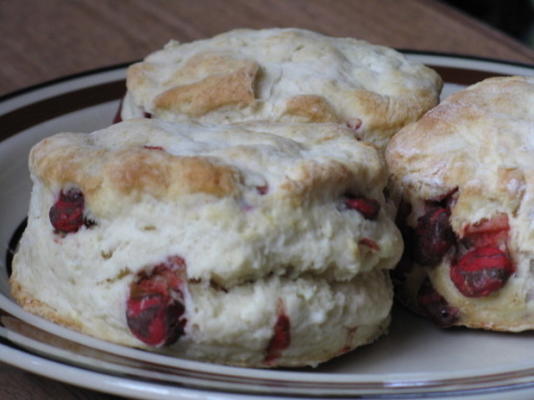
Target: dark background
[{"x": 514, "y": 17}]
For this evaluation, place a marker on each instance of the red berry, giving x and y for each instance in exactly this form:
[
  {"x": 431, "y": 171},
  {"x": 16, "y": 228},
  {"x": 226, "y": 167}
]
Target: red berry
[
  {"x": 435, "y": 306},
  {"x": 155, "y": 306},
  {"x": 281, "y": 337},
  {"x": 433, "y": 236},
  {"x": 488, "y": 232},
  {"x": 481, "y": 271},
  {"x": 263, "y": 189},
  {"x": 118, "y": 117},
  {"x": 66, "y": 215},
  {"x": 369, "y": 208},
  {"x": 369, "y": 243},
  {"x": 406, "y": 263},
  {"x": 355, "y": 124}
]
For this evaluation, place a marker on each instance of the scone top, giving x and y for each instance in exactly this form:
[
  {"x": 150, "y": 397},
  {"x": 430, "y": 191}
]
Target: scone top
[
  {"x": 282, "y": 75},
  {"x": 254, "y": 195},
  {"x": 478, "y": 142},
  {"x": 170, "y": 161}
]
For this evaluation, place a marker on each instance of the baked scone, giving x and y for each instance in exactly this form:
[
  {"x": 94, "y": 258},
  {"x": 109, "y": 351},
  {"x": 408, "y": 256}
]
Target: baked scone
[
  {"x": 282, "y": 75},
  {"x": 257, "y": 245},
  {"x": 465, "y": 172}
]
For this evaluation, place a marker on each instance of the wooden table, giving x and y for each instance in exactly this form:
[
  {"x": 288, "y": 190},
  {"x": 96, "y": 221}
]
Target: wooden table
[{"x": 43, "y": 40}]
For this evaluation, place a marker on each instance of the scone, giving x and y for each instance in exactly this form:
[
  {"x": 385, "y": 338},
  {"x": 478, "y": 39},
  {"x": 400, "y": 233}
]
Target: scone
[
  {"x": 257, "y": 245},
  {"x": 465, "y": 173},
  {"x": 282, "y": 75}
]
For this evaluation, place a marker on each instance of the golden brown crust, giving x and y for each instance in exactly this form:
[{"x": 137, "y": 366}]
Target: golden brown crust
[
  {"x": 311, "y": 108},
  {"x": 389, "y": 113},
  {"x": 213, "y": 92},
  {"x": 204, "y": 64},
  {"x": 165, "y": 175},
  {"x": 130, "y": 172},
  {"x": 312, "y": 176}
]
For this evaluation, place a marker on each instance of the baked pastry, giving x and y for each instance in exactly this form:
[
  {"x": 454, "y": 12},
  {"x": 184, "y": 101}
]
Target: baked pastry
[
  {"x": 282, "y": 75},
  {"x": 465, "y": 173},
  {"x": 257, "y": 245}
]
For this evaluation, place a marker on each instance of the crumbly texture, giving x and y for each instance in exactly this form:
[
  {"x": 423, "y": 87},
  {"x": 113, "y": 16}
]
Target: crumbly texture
[
  {"x": 256, "y": 213},
  {"x": 283, "y": 75},
  {"x": 477, "y": 148}
]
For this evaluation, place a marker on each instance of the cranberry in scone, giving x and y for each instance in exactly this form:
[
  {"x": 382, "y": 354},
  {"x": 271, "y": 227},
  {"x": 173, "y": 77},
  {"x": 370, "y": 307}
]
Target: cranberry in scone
[
  {"x": 481, "y": 271},
  {"x": 368, "y": 208},
  {"x": 433, "y": 236},
  {"x": 155, "y": 306},
  {"x": 67, "y": 213},
  {"x": 435, "y": 306},
  {"x": 281, "y": 338}
]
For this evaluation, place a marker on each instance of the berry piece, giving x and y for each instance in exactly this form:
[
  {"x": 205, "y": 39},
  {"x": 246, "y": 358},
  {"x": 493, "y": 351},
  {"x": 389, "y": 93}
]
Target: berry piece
[
  {"x": 481, "y": 271},
  {"x": 371, "y": 244},
  {"x": 445, "y": 200},
  {"x": 369, "y": 208},
  {"x": 406, "y": 263},
  {"x": 155, "y": 307},
  {"x": 488, "y": 232},
  {"x": 66, "y": 215},
  {"x": 351, "y": 332},
  {"x": 433, "y": 236},
  {"x": 118, "y": 116},
  {"x": 355, "y": 124},
  {"x": 281, "y": 337},
  {"x": 262, "y": 190},
  {"x": 435, "y": 306},
  {"x": 153, "y": 148}
]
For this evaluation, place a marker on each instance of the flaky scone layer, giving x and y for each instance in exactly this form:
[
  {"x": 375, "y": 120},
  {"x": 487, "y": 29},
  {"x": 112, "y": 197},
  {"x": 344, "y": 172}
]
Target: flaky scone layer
[
  {"x": 475, "y": 152},
  {"x": 256, "y": 215},
  {"x": 282, "y": 75}
]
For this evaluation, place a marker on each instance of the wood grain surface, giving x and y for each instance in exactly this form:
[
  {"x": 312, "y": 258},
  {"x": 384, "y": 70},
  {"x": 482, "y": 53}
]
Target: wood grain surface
[
  {"x": 45, "y": 39},
  {"x": 42, "y": 40}
]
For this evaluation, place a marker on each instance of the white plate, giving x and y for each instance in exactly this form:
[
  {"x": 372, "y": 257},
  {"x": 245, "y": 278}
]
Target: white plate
[{"x": 415, "y": 360}]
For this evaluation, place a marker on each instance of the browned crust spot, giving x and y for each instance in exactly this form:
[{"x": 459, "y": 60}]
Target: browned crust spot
[
  {"x": 202, "y": 65},
  {"x": 139, "y": 171},
  {"x": 312, "y": 108},
  {"x": 391, "y": 113},
  {"x": 312, "y": 176},
  {"x": 130, "y": 172},
  {"x": 234, "y": 89}
]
